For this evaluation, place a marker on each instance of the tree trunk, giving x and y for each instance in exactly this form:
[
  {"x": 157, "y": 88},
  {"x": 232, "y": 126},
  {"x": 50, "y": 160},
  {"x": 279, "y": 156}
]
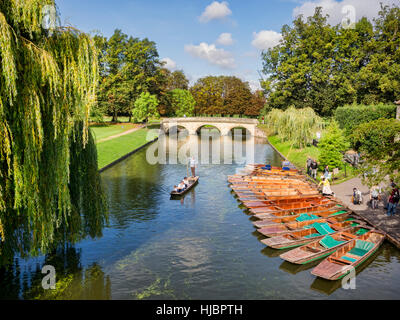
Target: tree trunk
[{"x": 115, "y": 116}]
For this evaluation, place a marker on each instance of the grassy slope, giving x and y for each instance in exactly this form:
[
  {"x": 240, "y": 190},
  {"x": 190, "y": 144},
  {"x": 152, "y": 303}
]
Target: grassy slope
[
  {"x": 111, "y": 150},
  {"x": 108, "y": 130},
  {"x": 299, "y": 157}
]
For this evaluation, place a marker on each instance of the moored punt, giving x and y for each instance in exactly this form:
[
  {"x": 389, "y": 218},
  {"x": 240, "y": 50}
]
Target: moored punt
[
  {"x": 266, "y": 219},
  {"x": 281, "y": 210},
  {"x": 283, "y": 206},
  {"x": 279, "y": 226},
  {"x": 321, "y": 248},
  {"x": 317, "y": 230},
  {"x": 306, "y": 216},
  {"x": 349, "y": 256}
]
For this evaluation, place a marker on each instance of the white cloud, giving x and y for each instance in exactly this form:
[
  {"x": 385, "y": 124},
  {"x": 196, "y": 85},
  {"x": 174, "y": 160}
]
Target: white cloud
[
  {"x": 266, "y": 39},
  {"x": 212, "y": 54},
  {"x": 362, "y": 8},
  {"x": 225, "y": 39},
  {"x": 216, "y": 10},
  {"x": 169, "y": 64}
]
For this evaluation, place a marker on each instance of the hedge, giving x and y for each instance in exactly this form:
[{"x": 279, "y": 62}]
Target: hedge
[{"x": 350, "y": 116}]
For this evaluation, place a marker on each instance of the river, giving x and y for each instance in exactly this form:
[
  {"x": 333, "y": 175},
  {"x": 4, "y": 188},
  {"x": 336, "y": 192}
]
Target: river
[{"x": 203, "y": 247}]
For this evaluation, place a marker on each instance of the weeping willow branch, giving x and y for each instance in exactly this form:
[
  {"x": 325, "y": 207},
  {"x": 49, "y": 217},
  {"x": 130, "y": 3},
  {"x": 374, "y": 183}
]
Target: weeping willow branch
[{"x": 47, "y": 88}]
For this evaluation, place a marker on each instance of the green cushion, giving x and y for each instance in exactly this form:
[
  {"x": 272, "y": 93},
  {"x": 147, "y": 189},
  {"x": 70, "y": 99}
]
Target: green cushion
[
  {"x": 312, "y": 235},
  {"x": 328, "y": 242},
  {"x": 323, "y": 228},
  {"x": 337, "y": 213},
  {"x": 348, "y": 259},
  {"x": 358, "y": 252},
  {"x": 361, "y": 231},
  {"x": 354, "y": 224},
  {"x": 365, "y": 245},
  {"x": 305, "y": 217}
]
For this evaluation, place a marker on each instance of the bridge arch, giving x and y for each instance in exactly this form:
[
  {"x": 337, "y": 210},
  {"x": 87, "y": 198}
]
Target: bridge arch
[{"x": 224, "y": 125}]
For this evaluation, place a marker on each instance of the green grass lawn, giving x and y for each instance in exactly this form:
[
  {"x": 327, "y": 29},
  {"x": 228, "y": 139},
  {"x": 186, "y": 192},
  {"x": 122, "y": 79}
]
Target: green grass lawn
[
  {"x": 111, "y": 150},
  {"x": 104, "y": 131},
  {"x": 296, "y": 156}
]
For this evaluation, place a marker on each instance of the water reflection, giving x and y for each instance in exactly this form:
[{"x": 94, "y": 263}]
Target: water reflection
[
  {"x": 201, "y": 247},
  {"x": 24, "y": 281}
]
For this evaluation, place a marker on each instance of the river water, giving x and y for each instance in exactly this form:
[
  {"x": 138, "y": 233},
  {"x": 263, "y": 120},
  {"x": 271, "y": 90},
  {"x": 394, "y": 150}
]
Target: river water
[{"x": 201, "y": 247}]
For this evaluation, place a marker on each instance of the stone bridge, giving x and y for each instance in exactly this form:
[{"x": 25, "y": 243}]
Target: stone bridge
[{"x": 224, "y": 125}]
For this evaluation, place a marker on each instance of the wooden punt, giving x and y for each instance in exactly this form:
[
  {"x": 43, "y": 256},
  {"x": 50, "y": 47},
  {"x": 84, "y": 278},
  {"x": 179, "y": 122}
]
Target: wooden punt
[
  {"x": 282, "y": 210},
  {"x": 190, "y": 186},
  {"x": 273, "y": 206},
  {"x": 297, "y": 238},
  {"x": 320, "y": 248},
  {"x": 315, "y": 197},
  {"x": 266, "y": 221},
  {"x": 349, "y": 256},
  {"x": 283, "y": 225}
]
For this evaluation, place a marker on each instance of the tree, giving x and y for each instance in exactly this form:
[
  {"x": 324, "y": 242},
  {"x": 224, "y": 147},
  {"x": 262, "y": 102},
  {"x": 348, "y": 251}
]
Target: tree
[
  {"x": 176, "y": 80},
  {"x": 182, "y": 102},
  {"x": 331, "y": 146},
  {"x": 322, "y": 66},
  {"x": 257, "y": 103},
  {"x": 48, "y": 82},
  {"x": 207, "y": 92},
  {"x": 221, "y": 95},
  {"x": 145, "y": 107},
  {"x": 379, "y": 145},
  {"x": 131, "y": 66},
  {"x": 296, "y": 125}
]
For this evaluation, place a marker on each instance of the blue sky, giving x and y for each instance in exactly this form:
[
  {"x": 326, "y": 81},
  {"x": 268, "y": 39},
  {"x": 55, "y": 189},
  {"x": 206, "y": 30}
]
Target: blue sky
[{"x": 187, "y": 31}]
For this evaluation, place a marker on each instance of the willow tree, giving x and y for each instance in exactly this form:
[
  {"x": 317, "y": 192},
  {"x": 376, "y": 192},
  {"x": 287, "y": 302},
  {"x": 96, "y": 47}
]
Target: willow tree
[
  {"x": 296, "y": 125},
  {"x": 48, "y": 80}
]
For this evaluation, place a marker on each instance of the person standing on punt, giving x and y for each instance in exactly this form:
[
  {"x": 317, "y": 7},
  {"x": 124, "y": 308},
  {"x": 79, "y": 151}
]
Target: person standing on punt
[{"x": 193, "y": 166}]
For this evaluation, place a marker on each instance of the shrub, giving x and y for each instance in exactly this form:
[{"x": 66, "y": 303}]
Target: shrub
[
  {"x": 331, "y": 146},
  {"x": 350, "y": 116}
]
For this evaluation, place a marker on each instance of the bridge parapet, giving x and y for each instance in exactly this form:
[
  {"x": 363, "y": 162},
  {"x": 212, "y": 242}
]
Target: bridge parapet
[{"x": 224, "y": 125}]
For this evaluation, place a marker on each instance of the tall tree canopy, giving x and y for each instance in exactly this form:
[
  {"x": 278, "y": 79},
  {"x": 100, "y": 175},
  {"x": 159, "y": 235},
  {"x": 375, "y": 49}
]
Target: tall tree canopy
[
  {"x": 48, "y": 81},
  {"x": 225, "y": 95},
  {"x": 129, "y": 66},
  {"x": 322, "y": 66}
]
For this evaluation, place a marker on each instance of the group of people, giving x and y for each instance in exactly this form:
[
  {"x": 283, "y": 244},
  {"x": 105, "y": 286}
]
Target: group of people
[
  {"x": 182, "y": 185},
  {"x": 375, "y": 196},
  {"x": 187, "y": 181}
]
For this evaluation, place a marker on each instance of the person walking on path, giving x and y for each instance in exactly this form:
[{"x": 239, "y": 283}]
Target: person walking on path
[
  {"x": 374, "y": 195},
  {"x": 393, "y": 200},
  {"x": 314, "y": 169},
  {"x": 308, "y": 163},
  {"x": 193, "y": 166}
]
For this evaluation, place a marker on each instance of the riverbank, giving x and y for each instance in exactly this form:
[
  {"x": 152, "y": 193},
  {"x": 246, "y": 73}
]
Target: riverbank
[
  {"x": 298, "y": 157},
  {"x": 110, "y": 151}
]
